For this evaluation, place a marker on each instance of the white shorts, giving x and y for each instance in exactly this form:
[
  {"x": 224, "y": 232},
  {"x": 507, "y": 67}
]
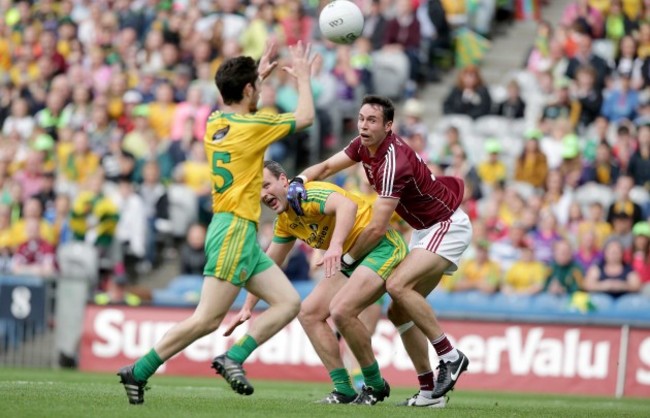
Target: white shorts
[{"x": 448, "y": 239}]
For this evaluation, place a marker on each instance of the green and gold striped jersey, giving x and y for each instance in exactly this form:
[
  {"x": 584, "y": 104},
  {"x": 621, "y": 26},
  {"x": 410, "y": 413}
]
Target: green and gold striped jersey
[
  {"x": 315, "y": 227},
  {"x": 235, "y": 146}
]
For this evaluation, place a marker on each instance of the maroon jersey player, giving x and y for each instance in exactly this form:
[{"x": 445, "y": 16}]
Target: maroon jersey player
[{"x": 442, "y": 232}]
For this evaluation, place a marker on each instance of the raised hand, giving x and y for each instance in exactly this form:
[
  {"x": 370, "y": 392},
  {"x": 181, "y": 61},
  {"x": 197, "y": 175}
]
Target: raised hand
[
  {"x": 243, "y": 316},
  {"x": 295, "y": 194},
  {"x": 301, "y": 64},
  {"x": 266, "y": 65}
]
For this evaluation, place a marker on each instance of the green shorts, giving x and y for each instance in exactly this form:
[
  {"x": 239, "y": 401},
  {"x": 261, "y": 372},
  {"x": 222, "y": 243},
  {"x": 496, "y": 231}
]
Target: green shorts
[
  {"x": 231, "y": 250},
  {"x": 383, "y": 259}
]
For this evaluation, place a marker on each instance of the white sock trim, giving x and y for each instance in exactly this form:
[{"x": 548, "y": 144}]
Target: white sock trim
[
  {"x": 440, "y": 338},
  {"x": 405, "y": 327}
]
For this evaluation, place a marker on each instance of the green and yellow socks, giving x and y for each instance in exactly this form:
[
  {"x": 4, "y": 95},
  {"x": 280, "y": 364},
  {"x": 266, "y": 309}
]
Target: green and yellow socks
[
  {"x": 242, "y": 349},
  {"x": 146, "y": 366}
]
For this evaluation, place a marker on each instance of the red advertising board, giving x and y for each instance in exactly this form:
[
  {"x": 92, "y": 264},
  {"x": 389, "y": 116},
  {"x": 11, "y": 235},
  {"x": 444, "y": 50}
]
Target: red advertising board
[
  {"x": 637, "y": 372},
  {"x": 503, "y": 356}
]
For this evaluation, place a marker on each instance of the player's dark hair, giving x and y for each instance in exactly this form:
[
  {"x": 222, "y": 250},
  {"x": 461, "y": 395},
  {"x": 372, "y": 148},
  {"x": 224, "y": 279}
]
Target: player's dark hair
[
  {"x": 233, "y": 75},
  {"x": 275, "y": 168},
  {"x": 388, "y": 109}
]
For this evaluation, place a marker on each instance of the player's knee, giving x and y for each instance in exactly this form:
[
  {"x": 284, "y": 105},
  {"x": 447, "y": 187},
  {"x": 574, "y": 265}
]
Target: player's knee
[
  {"x": 291, "y": 306},
  {"x": 313, "y": 310},
  {"x": 205, "y": 325},
  {"x": 395, "y": 288},
  {"x": 338, "y": 313}
]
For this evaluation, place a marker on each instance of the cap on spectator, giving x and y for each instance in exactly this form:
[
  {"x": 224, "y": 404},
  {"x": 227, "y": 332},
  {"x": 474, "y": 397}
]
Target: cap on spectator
[
  {"x": 641, "y": 229},
  {"x": 492, "y": 146},
  {"x": 43, "y": 142},
  {"x": 413, "y": 108},
  {"x": 132, "y": 97},
  {"x": 66, "y": 20},
  {"x": 533, "y": 133},
  {"x": 12, "y": 17},
  {"x": 570, "y": 146},
  {"x": 620, "y": 212},
  {"x": 141, "y": 110}
]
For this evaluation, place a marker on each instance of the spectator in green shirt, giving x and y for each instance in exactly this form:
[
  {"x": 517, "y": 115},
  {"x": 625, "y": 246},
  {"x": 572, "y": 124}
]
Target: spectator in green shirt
[{"x": 566, "y": 275}]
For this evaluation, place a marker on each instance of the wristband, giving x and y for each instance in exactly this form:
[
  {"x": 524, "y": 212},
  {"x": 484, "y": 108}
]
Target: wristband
[
  {"x": 303, "y": 179},
  {"x": 347, "y": 259}
]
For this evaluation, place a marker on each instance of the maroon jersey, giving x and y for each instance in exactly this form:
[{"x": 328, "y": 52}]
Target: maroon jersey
[
  {"x": 397, "y": 172},
  {"x": 35, "y": 252}
]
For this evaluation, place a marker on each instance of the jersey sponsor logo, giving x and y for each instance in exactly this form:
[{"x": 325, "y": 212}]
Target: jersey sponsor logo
[
  {"x": 316, "y": 239},
  {"x": 220, "y": 134}
]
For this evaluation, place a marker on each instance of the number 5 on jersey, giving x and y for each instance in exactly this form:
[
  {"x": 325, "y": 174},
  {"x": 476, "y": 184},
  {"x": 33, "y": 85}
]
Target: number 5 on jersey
[{"x": 222, "y": 172}]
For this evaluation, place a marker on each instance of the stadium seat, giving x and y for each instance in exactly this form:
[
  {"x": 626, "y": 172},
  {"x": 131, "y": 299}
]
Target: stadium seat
[
  {"x": 186, "y": 283},
  {"x": 474, "y": 145},
  {"x": 633, "y": 303},
  {"x": 464, "y": 123},
  {"x": 550, "y": 303},
  {"x": 78, "y": 260},
  {"x": 513, "y": 304},
  {"x": 390, "y": 72},
  {"x": 639, "y": 195},
  {"x": 601, "y": 301},
  {"x": 166, "y": 297},
  {"x": 498, "y": 93},
  {"x": 183, "y": 209},
  {"x": 491, "y": 125},
  {"x": 604, "y": 48},
  {"x": 592, "y": 192},
  {"x": 440, "y": 300},
  {"x": 525, "y": 190},
  {"x": 474, "y": 301}
]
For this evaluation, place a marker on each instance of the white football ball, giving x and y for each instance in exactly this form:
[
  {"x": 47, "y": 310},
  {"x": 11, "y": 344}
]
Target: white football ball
[{"x": 341, "y": 21}]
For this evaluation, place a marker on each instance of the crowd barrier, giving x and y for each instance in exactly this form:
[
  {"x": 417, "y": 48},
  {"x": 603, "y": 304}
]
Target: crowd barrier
[{"x": 509, "y": 356}]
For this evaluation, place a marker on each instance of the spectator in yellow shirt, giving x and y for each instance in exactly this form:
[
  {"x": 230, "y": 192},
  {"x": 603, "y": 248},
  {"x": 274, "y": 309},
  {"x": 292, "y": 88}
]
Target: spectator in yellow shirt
[
  {"x": 161, "y": 112},
  {"x": 493, "y": 170},
  {"x": 195, "y": 171},
  {"x": 596, "y": 223},
  {"x": 81, "y": 162},
  {"x": 32, "y": 210},
  {"x": 526, "y": 276},
  {"x": 479, "y": 273}
]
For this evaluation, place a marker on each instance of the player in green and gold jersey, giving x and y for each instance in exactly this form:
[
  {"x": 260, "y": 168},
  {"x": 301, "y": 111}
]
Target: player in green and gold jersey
[
  {"x": 235, "y": 141},
  {"x": 332, "y": 220}
]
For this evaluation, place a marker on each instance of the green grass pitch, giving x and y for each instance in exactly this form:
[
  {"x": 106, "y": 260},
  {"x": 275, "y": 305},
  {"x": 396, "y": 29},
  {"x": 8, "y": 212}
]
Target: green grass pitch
[{"x": 49, "y": 393}]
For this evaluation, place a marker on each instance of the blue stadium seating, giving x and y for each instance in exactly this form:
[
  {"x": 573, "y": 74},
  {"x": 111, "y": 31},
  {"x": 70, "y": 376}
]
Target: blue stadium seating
[
  {"x": 601, "y": 301},
  {"x": 632, "y": 306},
  {"x": 184, "y": 291}
]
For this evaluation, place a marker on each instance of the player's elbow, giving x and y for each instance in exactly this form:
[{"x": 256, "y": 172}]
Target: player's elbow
[{"x": 304, "y": 119}]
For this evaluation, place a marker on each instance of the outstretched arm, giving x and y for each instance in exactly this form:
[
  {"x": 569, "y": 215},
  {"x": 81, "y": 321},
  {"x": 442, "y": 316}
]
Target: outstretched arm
[
  {"x": 297, "y": 192},
  {"x": 382, "y": 211},
  {"x": 329, "y": 167},
  {"x": 345, "y": 211}
]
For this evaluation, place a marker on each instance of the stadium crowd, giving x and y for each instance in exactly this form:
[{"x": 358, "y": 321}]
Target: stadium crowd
[{"x": 103, "y": 107}]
